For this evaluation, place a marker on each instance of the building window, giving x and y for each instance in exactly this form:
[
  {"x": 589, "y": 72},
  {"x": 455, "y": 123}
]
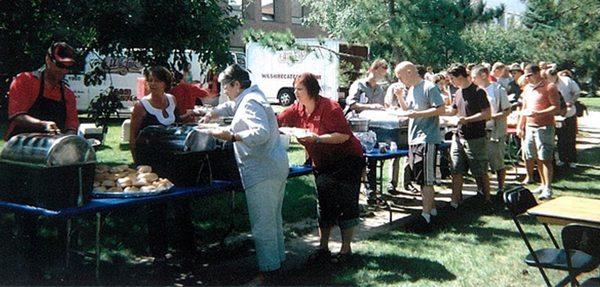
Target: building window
[
  {"x": 236, "y": 7},
  {"x": 298, "y": 12},
  {"x": 268, "y": 10}
]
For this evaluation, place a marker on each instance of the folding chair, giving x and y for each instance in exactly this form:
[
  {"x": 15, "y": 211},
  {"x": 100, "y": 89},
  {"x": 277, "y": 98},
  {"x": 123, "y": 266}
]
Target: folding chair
[
  {"x": 582, "y": 245},
  {"x": 518, "y": 200}
]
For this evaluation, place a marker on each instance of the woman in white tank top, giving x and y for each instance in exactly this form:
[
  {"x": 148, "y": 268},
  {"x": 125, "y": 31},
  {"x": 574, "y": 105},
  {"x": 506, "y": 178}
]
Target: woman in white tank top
[{"x": 157, "y": 108}]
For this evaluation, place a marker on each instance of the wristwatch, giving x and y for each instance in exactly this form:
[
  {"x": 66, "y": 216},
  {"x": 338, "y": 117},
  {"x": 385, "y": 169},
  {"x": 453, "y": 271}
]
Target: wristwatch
[
  {"x": 233, "y": 137},
  {"x": 318, "y": 140}
]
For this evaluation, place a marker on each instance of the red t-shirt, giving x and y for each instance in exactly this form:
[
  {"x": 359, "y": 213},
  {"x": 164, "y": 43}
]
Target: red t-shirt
[
  {"x": 23, "y": 92},
  {"x": 186, "y": 95},
  {"x": 541, "y": 97},
  {"x": 327, "y": 118}
]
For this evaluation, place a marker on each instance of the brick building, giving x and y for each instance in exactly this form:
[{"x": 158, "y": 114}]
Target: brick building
[{"x": 271, "y": 15}]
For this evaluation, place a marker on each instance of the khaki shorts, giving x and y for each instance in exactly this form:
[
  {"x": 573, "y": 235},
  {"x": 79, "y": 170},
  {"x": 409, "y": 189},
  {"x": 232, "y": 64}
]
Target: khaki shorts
[
  {"x": 469, "y": 155},
  {"x": 539, "y": 143},
  {"x": 496, "y": 151}
]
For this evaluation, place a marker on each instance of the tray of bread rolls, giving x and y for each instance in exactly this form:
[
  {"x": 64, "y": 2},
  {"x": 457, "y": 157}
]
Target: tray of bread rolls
[{"x": 125, "y": 182}]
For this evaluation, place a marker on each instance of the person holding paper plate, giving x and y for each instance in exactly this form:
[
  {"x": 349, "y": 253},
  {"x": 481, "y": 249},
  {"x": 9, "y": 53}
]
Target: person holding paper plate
[
  {"x": 537, "y": 127},
  {"x": 567, "y": 134},
  {"x": 337, "y": 161},
  {"x": 262, "y": 162}
]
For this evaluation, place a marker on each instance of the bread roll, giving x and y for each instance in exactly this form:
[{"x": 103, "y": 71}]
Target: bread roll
[
  {"x": 139, "y": 182},
  {"x": 115, "y": 189},
  {"x": 100, "y": 189},
  {"x": 96, "y": 183},
  {"x": 148, "y": 188},
  {"x": 108, "y": 183},
  {"x": 161, "y": 187},
  {"x": 119, "y": 168},
  {"x": 131, "y": 189},
  {"x": 100, "y": 177},
  {"x": 149, "y": 177},
  {"x": 124, "y": 182},
  {"x": 144, "y": 169},
  {"x": 102, "y": 168}
]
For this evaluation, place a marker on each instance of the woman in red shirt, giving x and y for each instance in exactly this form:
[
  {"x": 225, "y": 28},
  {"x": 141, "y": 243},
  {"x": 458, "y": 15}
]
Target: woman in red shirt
[{"x": 337, "y": 159}]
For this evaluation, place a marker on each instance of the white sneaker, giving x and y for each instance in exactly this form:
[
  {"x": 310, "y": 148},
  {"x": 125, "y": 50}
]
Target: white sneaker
[
  {"x": 546, "y": 194},
  {"x": 572, "y": 165},
  {"x": 559, "y": 163},
  {"x": 538, "y": 190}
]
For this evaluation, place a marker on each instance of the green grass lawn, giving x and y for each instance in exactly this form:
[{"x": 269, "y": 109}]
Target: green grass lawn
[
  {"x": 470, "y": 250},
  {"x": 593, "y": 104}
]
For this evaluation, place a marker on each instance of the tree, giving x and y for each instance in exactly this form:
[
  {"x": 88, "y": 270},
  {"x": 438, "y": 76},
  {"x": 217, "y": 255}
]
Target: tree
[
  {"x": 571, "y": 31},
  {"x": 149, "y": 31},
  {"x": 402, "y": 29}
]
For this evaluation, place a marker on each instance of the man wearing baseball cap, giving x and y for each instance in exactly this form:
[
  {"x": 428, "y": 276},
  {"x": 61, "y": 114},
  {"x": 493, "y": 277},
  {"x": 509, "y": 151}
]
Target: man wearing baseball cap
[
  {"x": 513, "y": 87},
  {"x": 39, "y": 101},
  {"x": 540, "y": 104}
]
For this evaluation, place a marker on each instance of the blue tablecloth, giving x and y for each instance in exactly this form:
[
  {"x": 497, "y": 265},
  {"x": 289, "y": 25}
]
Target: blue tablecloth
[
  {"x": 109, "y": 204},
  {"x": 300, "y": 170},
  {"x": 375, "y": 154}
]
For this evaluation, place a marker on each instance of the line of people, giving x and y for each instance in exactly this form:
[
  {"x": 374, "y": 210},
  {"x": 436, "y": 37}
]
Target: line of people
[{"x": 483, "y": 100}]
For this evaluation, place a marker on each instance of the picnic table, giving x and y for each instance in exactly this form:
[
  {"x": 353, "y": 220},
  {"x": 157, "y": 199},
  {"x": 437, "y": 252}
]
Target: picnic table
[{"x": 568, "y": 209}]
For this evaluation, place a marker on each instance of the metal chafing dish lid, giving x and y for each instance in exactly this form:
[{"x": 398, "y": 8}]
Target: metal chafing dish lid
[
  {"x": 186, "y": 138},
  {"x": 48, "y": 149}
]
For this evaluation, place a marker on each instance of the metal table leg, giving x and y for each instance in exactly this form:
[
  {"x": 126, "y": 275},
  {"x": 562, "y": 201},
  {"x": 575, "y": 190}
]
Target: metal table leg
[
  {"x": 380, "y": 164},
  {"x": 98, "y": 226},
  {"x": 68, "y": 247}
]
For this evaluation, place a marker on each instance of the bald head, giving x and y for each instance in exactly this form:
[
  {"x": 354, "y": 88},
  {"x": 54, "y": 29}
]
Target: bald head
[
  {"x": 406, "y": 66},
  {"x": 407, "y": 73}
]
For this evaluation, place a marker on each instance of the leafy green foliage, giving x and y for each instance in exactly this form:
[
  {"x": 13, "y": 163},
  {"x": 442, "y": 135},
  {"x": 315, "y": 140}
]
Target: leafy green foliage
[
  {"x": 494, "y": 43},
  {"x": 569, "y": 34},
  {"x": 103, "y": 107},
  {"x": 427, "y": 32},
  {"x": 148, "y": 31}
]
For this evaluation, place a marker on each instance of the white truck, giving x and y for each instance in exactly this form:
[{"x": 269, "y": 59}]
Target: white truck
[
  {"x": 274, "y": 71},
  {"x": 125, "y": 77}
]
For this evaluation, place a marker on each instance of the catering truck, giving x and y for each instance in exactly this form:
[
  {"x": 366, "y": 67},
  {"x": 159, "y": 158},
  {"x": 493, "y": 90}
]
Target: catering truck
[
  {"x": 124, "y": 75},
  {"x": 274, "y": 71}
]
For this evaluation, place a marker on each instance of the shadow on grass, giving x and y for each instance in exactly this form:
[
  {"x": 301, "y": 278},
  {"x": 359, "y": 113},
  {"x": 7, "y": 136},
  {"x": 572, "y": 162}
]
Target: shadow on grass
[
  {"x": 371, "y": 270},
  {"x": 102, "y": 147},
  {"x": 300, "y": 199}
]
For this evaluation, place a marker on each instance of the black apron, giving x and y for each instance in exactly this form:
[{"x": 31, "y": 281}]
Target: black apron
[{"x": 46, "y": 110}]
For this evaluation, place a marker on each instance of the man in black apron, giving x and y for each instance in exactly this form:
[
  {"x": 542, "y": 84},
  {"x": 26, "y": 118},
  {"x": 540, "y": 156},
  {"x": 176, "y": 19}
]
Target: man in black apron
[{"x": 39, "y": 101}]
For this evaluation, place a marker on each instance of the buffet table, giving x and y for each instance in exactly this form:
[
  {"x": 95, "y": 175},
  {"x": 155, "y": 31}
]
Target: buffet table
[{"x": 106, "y": 205}]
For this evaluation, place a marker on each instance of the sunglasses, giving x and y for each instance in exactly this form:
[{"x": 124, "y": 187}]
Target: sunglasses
[{"x": 59, "y": 64}]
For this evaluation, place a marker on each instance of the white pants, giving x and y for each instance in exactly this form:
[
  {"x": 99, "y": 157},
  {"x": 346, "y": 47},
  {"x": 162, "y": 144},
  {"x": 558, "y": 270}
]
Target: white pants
[{"x": 265, "y": 200}]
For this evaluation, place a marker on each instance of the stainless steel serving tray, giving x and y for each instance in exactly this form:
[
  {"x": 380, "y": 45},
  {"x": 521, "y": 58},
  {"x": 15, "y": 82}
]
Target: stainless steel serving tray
[{"x": 99, "y": 194}]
